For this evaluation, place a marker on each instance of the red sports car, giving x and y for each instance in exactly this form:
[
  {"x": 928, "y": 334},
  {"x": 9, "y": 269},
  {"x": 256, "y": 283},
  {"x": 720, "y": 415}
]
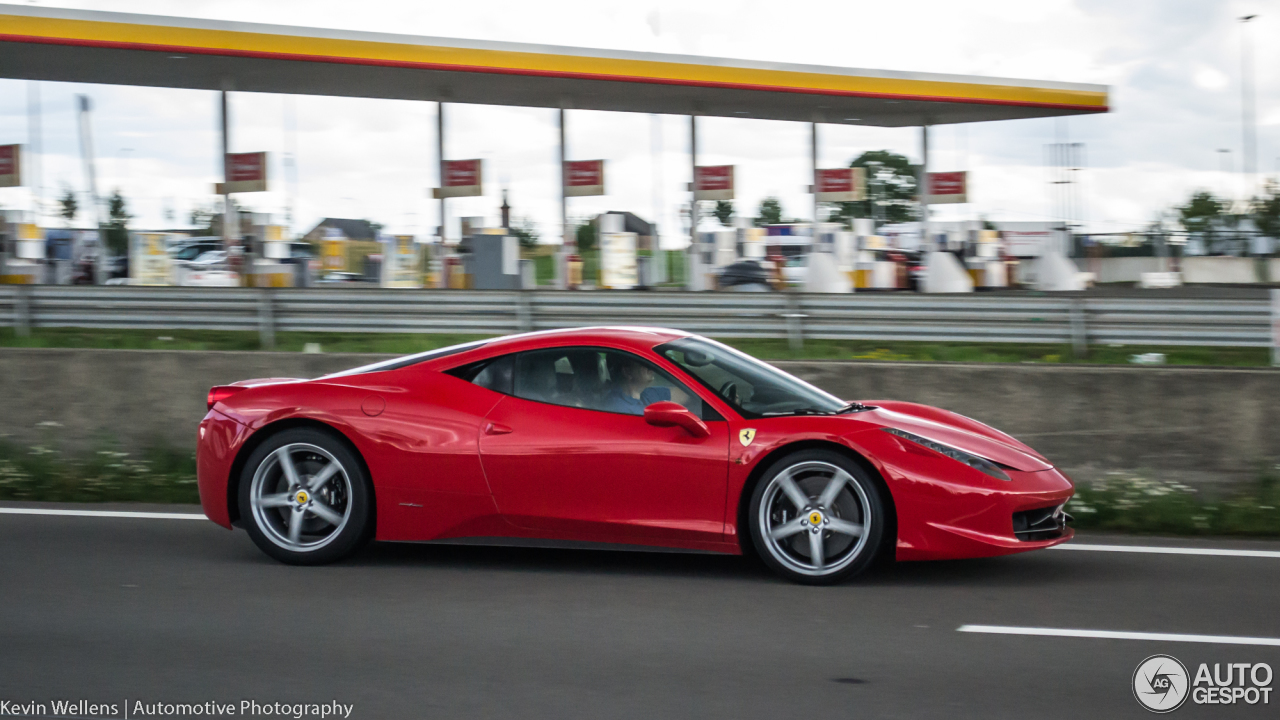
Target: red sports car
[{"x": 636, "y": 436}]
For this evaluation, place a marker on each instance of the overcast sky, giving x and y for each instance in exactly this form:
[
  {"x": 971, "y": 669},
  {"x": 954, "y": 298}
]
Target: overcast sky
[{"x": 1173, "y": 67}]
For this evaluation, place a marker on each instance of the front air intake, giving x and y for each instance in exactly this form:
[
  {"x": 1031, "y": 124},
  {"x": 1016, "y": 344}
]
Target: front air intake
[{"x": 1040, "y": 524}]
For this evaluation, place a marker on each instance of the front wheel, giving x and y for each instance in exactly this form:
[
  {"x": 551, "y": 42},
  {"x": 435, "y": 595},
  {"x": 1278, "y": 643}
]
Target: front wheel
[
  {"x": 305, "y": 498},
  {"x": 817, "y": 518}
]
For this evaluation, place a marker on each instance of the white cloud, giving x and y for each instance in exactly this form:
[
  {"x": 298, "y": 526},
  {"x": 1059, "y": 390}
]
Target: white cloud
[{"x": 1208, "y": 78}]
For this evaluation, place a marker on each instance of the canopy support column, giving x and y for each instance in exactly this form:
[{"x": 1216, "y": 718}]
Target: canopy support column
[
  {"x": 230, "y": 218},
  {"x": 922, "y": 190},
  {"x": 444, "y": 219},
  {"x": 813, "y": 174},
  {"x": 568, "y": 241},
  {"x": 692, "y": 263}
]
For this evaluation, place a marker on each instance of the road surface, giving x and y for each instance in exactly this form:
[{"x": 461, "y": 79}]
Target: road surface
[{"x": 116, "y": 609}]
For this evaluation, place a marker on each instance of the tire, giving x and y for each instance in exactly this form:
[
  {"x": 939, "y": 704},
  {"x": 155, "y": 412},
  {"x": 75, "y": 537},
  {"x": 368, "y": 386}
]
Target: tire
[
  {"x": 324, "y": 516},
  {"x": 816, "y": 500}
]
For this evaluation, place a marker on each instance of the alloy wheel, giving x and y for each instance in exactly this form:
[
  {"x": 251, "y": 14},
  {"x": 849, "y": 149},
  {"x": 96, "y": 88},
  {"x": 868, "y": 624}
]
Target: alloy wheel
[
  {"x": 301, "y": 497},
  {"x": 813, "y": 518}
]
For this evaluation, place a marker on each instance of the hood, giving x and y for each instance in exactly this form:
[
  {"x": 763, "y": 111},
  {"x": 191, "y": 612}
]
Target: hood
[{"x": 957, "y": 431}]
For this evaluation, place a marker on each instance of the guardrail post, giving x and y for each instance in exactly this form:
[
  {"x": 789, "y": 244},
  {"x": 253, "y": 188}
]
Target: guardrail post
[
  {"x": 266, "y": 319},
  {"x": 1079, "y": 330},
  {"x": 1275, "y": 327},
  {"x": 524, "y": 314},
  {"x": 22, "y": 311},
  {"x": 795, "y": 324}
]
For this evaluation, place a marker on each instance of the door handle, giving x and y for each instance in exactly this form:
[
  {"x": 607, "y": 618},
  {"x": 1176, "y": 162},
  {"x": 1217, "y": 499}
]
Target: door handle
[{"x": 492, "y": 429}]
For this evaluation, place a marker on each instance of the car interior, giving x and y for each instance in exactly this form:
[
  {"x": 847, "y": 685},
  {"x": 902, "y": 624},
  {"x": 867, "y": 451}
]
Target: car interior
[{"x": 573, "y": 376}]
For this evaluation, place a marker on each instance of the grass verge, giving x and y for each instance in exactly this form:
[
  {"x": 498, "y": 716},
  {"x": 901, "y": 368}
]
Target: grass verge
[
  {"x": 42, "y": 473},
  {"x": 769, "y": 349},
  {"x": 1130, "y": 503}
]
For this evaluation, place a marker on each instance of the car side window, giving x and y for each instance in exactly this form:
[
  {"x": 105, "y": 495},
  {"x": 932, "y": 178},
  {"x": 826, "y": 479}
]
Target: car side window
[
  {"x": 600, "y": 379},
  {"x": 493, "y": 374}
]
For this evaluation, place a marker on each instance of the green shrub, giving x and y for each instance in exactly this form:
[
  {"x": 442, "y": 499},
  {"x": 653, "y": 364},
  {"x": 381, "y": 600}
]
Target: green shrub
[
  {"x": 41, "y": 473},
  {"x": 1127, "y": 502}
]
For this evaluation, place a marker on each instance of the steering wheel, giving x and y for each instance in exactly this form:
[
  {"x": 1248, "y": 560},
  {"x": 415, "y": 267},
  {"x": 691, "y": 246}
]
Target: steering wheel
[{"x": 729, "y": 391}]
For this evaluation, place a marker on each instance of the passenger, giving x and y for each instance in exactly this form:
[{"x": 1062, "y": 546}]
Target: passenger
[{"x": 629, "y": 391}]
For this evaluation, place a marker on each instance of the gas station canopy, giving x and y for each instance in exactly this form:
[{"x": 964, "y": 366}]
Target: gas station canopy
[{"x": 127, "y": 49}]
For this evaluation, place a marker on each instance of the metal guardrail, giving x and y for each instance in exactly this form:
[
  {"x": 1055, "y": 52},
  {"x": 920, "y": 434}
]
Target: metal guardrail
[{"x": 866, "y": 316}]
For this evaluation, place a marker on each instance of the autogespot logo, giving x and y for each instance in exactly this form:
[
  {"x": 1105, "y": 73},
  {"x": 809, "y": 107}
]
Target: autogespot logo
[{"x": 1160, "y": 683}]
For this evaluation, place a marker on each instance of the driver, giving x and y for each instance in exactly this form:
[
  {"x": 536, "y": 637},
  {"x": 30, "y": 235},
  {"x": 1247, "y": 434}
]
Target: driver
[{"x": 630, "y": 392}]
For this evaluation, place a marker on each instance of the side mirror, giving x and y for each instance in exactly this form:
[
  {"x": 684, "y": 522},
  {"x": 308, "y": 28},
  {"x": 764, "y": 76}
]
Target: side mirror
[{"x": 667, "y": 414}]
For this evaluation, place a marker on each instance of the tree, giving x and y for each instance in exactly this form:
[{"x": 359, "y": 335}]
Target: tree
[
  {"x": 1202, "y": 212},
  {"x": 586, "y": 235},
  {"x": 891, "y": 190},
  {"x": 723, "y": 211},
  {"x": 1267, "y": 211},
  {"x": 68, "y": 206},
  {"x": 524, "y": 229},
  {"x": 770, "y": 212},
  {"x": 117, "y": 227}
]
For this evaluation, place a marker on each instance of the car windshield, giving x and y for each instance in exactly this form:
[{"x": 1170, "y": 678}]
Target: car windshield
[{"x": 754, "y": 388}]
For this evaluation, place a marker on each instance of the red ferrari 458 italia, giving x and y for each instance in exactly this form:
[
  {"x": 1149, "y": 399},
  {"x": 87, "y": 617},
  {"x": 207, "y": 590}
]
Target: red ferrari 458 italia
[{"x": 635, "y": 436}]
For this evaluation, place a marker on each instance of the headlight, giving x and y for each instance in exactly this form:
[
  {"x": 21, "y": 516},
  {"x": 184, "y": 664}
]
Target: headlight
[{"x": 973, "y": 461}]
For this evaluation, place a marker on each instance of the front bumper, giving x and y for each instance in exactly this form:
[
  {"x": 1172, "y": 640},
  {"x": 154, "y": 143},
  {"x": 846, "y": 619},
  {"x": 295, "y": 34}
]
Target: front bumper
[{"x": 939, "y": 520}]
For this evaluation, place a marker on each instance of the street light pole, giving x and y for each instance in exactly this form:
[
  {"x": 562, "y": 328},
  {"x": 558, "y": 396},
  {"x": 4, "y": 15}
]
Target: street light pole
[{"x": 1248, "y": 120}]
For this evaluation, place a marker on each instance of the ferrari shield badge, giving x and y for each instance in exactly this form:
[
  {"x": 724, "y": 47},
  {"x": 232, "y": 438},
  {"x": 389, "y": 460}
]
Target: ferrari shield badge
[{"x": 746, "y": 435}]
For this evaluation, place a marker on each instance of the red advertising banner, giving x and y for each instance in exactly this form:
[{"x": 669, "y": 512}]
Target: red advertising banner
[
  {"x": 841, "y": 185},
  {"x": 10, "y": 165},
  {"x": 583, "y": 177},
  {"x": 713, "y": 182},
  {"x": 246, "y": 172},
  {"x": 461, "y": 173},
  {"x": 462, "y": 178},
  {"x": 947, "y": 187}
]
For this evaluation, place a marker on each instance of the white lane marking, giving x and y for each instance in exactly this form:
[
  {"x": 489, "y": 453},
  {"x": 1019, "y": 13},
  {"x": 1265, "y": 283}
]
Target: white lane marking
[
  {"x": 1226, "y": 552},
  {"x": 1118, "y": 635},
  {"x": 103, "y": 513}
]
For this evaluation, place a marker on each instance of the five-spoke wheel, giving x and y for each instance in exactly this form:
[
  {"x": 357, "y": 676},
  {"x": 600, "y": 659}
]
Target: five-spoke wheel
[
  {"x": 816, "y": 517},
  {"x": 304, "y": 496}
]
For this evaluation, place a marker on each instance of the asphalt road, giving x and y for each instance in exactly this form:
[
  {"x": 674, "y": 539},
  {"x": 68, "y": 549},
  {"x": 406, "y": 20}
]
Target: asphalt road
[{"x": 109, "y": 609}]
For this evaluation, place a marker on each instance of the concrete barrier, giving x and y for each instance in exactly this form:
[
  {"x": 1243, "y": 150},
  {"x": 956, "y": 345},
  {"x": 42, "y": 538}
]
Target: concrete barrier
[
  {"x": 1197, "y": 425},
  {"x": 1219, "y": 270},
  {"x": 1121, "y": 269}
]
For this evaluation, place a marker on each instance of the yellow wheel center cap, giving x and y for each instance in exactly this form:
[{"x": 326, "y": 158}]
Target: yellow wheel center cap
[
  {"x": 302, "y": 497},
  {"x": 815, "y": 518}
]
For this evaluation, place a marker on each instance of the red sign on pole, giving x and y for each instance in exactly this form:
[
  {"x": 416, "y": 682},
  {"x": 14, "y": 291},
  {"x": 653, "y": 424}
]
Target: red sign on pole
[
  {"x": 947, "y": 187},
  {"x": 462, "y": 178},
  {"x": 246, "y": 172},
  {"x": 583, "y": 177},
  {"x": 841, "y": 185},
  {"x": 713, "y": 182},
  {"x": 10, "y": 165}
]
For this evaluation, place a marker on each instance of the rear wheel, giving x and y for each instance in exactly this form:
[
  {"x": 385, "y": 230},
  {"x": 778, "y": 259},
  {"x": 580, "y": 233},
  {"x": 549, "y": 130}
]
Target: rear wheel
[
  {"x": 817, "y": 518},
  {"x": 305, "y": 497}
]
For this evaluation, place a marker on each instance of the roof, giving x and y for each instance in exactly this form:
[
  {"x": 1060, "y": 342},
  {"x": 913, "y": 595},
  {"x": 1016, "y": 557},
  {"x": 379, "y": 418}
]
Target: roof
[
  {"x": 352, "y": 229},
  {"x": 127, "y": 49}
]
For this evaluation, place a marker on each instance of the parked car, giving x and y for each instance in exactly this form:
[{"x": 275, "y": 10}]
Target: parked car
[
  {"x": 192, "y": 249},
  {"x": 745, "y": 276},
  {"x": 208, "y": 260}
]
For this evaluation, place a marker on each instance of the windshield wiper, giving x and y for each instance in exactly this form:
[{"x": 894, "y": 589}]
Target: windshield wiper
[
  {"x": 801, "y": 411},
  {"x": 854, "y": 406}
]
